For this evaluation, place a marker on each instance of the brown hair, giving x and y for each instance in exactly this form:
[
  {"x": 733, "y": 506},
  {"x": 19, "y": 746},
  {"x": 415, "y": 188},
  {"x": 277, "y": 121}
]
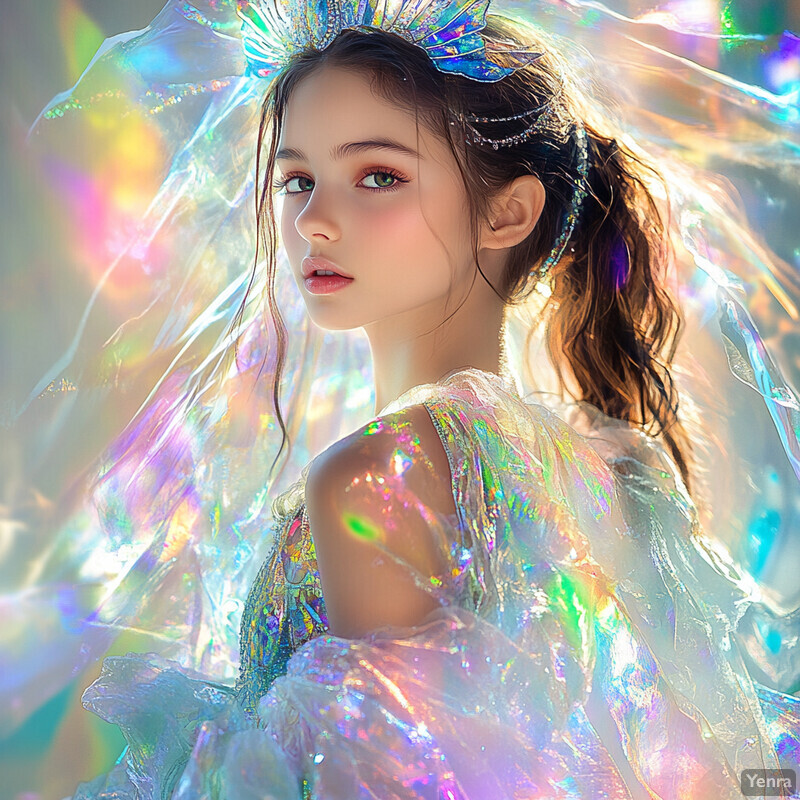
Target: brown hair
[{"x": 612, "y": 325}]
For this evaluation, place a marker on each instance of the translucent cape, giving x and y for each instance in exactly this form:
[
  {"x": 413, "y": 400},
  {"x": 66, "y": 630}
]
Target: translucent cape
[
  {"x": 582, "y": 642},
  {"x": 137, "y": 457}
]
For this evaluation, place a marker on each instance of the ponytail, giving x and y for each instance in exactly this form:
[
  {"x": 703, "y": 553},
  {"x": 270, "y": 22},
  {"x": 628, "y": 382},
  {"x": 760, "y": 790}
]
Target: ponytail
[{"x": 613, "y": 323}]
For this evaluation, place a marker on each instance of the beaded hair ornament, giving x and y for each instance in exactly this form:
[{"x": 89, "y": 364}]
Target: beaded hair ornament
[{"x": 449, "y": 32}]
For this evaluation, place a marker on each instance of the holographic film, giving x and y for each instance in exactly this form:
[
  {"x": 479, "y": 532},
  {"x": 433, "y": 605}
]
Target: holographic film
[{"x": 135, "y": 447}]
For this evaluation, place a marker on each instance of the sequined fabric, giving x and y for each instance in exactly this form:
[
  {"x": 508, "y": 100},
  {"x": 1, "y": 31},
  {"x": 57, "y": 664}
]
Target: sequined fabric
[
  {"x": 284, "y": 610},
  {"x": 584, "y": 646}
]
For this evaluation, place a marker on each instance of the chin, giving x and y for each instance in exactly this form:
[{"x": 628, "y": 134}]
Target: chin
[{"x": 332, "y": 322}]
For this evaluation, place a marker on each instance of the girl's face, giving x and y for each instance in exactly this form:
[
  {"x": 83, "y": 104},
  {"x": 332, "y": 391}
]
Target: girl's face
[{"x": 378, "y": 199}]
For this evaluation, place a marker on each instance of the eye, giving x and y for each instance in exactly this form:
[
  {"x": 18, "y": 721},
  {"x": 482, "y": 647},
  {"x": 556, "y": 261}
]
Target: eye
[
  {"x": 382, "y": 179},
  {"x": 298, "y": 183},
  {"x": 294, "y": 184}
]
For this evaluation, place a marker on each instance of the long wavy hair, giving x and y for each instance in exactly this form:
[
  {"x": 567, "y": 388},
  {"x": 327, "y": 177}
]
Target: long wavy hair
[{"x": 612, "y": 325}]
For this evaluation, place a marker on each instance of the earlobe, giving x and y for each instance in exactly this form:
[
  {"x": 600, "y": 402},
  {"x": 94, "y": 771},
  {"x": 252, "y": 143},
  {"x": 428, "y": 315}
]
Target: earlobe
[{"x": 515, "y": 212}]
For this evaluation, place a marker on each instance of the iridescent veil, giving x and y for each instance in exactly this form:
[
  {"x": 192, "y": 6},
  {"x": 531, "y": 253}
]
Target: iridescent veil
[{"x": 137, "y": 456}]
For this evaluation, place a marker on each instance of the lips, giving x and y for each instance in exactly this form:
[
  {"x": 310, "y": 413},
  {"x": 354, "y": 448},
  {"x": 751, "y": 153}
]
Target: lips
[{"x": 314, "y": 265}]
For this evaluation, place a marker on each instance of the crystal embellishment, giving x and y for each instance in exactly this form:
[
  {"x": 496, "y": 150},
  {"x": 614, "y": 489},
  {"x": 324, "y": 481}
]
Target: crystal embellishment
[{"x": 448, "y": 31}]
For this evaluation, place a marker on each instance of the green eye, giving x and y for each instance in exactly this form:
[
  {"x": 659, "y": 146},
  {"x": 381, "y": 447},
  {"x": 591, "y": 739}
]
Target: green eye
[
  {"x": 299, "y": 184},
  {"x": 381, "y": 180}
]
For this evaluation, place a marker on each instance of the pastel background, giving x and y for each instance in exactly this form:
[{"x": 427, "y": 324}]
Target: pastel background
[{"x": 44, "y": 47}]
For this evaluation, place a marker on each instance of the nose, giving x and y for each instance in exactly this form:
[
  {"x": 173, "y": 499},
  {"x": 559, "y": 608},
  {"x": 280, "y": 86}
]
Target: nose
[{"x": 316, "y": 222}]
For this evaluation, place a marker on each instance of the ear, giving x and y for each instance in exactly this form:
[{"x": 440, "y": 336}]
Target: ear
[{"x": 515, "y": 210}]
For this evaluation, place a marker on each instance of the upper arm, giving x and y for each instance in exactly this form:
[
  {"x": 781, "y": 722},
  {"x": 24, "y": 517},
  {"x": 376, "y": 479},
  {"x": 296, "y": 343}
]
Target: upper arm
[{"x": 369, "y": 500}]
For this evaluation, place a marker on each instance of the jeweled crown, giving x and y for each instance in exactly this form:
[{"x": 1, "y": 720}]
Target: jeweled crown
[{"x": 448, "y": 30}]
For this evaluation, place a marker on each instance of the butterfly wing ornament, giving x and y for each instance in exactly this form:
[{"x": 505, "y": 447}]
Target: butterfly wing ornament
[{"x": 450, "y": 33}]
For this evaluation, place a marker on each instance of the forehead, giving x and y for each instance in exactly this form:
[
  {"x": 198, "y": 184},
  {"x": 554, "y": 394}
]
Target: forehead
[{"x": 334, "y": 105}]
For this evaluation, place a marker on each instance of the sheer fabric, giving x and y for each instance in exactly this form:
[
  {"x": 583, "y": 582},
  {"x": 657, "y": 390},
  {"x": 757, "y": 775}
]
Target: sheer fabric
[{"x": 584, "y": 643}]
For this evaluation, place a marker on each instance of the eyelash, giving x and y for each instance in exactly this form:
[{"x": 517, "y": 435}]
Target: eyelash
[{"x": 280, "y": 184}]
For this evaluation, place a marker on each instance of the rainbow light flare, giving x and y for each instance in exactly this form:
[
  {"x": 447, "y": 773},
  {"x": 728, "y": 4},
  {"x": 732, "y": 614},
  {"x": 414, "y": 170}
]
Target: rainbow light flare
[{"x": 80, "y": 37}]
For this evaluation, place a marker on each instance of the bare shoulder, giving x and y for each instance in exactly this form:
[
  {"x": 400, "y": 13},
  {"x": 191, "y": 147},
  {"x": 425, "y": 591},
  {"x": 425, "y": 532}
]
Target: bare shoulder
[
  {"x": 402, "y": 449},
  {"x": 369, "y": 499}
]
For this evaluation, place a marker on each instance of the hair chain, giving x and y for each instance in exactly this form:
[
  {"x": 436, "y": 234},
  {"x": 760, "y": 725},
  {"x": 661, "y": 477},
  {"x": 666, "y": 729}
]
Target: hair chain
[
  {"x": 580, "y": 190},
  {"x": 509, "y": 141}
]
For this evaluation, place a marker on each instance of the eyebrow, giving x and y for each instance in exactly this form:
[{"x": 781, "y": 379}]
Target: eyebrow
[{"x": 351, "y": 148}]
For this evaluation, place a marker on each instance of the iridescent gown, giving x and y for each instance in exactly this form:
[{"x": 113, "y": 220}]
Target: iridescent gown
[{"x": 585, "y": 643}]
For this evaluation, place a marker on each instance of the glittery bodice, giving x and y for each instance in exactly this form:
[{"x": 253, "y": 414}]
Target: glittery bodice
[{"x": 284, "y": 609}]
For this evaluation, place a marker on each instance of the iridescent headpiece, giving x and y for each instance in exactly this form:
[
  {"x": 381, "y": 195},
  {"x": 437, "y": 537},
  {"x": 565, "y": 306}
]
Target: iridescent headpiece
[{"x": 448, "y": 30}]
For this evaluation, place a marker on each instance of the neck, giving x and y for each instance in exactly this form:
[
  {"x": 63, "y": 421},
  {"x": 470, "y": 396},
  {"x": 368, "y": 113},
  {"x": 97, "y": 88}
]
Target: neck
[{"x": 414, "y": 348}]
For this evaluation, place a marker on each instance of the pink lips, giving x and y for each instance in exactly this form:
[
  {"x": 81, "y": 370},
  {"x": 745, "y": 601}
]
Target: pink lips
[{"x": 323, "y": 284}]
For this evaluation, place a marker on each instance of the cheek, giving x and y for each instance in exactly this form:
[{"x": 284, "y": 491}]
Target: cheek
[
  {"x": 393, "y": 227},
  {"x": 444, "y": 206},
  {"x": 409, "y": 225},
  {"x": 424, "y": 251}
]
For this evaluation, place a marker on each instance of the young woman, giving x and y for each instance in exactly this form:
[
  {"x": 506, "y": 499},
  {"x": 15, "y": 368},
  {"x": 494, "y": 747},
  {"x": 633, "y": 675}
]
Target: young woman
[{"x": 472, "y": 595}]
